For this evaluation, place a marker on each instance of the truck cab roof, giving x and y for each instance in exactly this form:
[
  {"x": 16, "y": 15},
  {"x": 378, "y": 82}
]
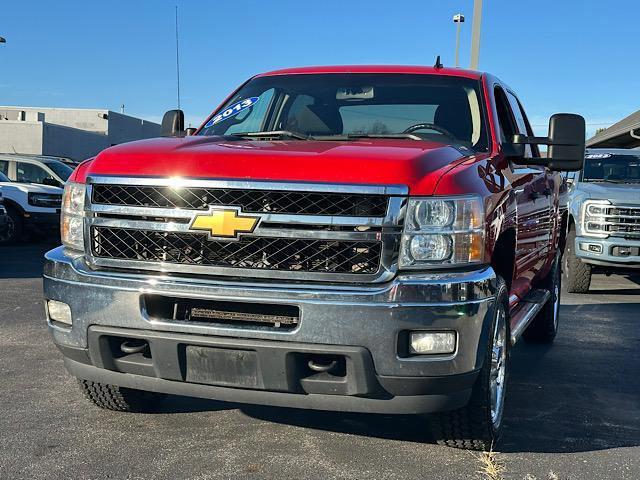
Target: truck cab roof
[{"x": 399, "y": 69}]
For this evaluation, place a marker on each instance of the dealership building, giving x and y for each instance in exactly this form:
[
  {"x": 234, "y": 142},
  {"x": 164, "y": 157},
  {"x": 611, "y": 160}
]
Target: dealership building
[
  {"x": 623, "y": 134},
  {"x": 68, "y": 132}
]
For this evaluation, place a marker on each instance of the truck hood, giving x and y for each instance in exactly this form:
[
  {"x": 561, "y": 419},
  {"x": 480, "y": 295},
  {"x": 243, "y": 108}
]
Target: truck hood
[
  {"x": 417, "y": 164},
  {"x": 615, "y": 192}
]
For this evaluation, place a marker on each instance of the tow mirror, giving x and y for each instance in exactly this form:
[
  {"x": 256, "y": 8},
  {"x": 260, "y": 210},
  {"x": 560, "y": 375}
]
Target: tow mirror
[
  {"x": 172, "y": 124},
  {"x": 566, "y": 143}
]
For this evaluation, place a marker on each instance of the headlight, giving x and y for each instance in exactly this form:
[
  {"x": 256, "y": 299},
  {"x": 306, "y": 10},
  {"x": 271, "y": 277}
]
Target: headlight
[
  {"x": 72, "y": 218},
  {"x": 594, "y": 220},
  {"x": 442, "y": 231},
  {"x": 46, "y": 200}
]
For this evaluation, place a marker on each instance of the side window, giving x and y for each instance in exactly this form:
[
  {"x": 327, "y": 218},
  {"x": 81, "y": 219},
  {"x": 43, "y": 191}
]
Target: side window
[
  {"x": 30, "y": 173},
  {"x": 505, "y": 116},
  {"x": 522, "y": 122},
  {"x": 4, "y": 167}
]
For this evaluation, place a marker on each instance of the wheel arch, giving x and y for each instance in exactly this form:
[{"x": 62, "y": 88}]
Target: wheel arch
[
  {"x": 503, "y": 260},
  {"x": 8, "y": 202}
]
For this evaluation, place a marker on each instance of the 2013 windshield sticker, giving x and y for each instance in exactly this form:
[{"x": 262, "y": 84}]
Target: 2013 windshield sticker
[{"x": 232, "y": 110}]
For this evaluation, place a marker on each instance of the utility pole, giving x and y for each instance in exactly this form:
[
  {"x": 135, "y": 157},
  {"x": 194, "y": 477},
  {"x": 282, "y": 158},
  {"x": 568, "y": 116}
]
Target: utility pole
[
  {"x": 458, "y": 19},
  {"x": 475, "y": 34}
]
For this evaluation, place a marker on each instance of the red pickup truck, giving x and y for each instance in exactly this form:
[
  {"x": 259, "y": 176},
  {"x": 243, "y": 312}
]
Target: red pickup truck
[{"x": 362, "y": 238}]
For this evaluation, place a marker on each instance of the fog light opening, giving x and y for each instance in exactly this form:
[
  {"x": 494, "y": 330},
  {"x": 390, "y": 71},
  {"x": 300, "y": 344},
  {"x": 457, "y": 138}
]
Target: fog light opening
[
  {"x": 432, "y": 343},
  {"x": 59, "y": 312},
  {"x": 591, "y": 247}
]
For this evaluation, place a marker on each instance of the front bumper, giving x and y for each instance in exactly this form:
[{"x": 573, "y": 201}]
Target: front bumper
[
  {"x": 605, "y": 252},
  {"x": 363, "y": 325}
]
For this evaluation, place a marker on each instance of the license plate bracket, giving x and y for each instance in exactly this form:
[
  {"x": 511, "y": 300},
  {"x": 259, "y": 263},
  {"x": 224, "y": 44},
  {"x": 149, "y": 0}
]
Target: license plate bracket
[{"x": 222, "y": 366}]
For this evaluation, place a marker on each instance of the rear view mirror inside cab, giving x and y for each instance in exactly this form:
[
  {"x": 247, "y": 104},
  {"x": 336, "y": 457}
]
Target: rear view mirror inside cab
[{"x": 355, "y": 93}]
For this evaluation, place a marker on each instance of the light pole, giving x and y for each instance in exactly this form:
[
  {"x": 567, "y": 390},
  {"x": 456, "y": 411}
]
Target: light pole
[
  {"x": 3, "y": 40},
  {"x": 458, "y": 19},
  {"x": 475, "y": 34}
]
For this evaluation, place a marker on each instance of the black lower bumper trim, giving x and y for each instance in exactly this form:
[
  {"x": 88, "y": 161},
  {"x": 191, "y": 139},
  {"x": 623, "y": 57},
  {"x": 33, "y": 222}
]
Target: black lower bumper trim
[{"x": 410, "y": 404}]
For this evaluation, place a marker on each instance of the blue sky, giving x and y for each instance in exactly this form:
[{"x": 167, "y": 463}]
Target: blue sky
[{"x": 574, "y": 56}]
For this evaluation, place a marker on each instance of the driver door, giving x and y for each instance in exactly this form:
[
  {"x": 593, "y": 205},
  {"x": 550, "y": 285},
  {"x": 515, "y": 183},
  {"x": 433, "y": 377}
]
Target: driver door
[{"x": 533, "y": 194}]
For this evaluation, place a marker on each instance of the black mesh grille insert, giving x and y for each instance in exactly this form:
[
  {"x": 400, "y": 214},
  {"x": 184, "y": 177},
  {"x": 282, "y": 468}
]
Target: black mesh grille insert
[
  {"x": 251, "y": 201},
  {"x": 280, "y": 254}
]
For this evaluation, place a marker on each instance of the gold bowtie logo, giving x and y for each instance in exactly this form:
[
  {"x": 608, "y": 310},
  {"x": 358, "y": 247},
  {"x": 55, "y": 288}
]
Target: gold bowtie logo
[{"x": 227, "y": 223}]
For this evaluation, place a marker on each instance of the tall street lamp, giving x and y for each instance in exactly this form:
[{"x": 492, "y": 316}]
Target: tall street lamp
[
  {"x": 475, "y": 34},
  {"x": 458, "y": 19}
]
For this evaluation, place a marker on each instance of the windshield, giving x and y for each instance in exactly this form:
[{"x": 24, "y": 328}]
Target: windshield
[
  {"x": 599, "y": 167},
  {"x": 60, "y": 169},
  {"x": 428, "y": 107}
]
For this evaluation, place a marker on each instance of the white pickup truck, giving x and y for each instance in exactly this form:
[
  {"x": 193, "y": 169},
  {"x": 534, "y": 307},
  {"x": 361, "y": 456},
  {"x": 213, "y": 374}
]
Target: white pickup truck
[{"x": 31, "y": 208}]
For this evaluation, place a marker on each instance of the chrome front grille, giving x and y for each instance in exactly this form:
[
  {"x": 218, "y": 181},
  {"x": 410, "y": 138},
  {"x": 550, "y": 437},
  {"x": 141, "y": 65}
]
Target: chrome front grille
[
  {"x": 621, "y": 221},
  {"x": 282, "y": 254},
  {"x": 317, "y": 232},
  {"x": 250, "y": 201}
]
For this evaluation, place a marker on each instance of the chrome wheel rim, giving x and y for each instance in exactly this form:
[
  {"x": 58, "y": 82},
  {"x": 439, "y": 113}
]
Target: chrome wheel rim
[
  {"x": 497, "y": 374},
  {"x": 556, "y": 304}
]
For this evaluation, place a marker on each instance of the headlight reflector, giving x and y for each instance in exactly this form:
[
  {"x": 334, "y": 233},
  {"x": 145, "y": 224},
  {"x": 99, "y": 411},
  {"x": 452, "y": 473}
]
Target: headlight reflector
[
  {"x": 72, "y": 218},
  {"x": 437, "y": 213},
  {"x": 594, "y": 220},
  {"x": 430, "y": 247},
  {"x": 443, "y": 231}
]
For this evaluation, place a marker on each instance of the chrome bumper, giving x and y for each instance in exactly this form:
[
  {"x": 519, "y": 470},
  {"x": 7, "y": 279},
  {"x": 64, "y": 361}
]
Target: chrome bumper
[
  {"x": 363, "y": 323},
  {"x": 606, "y": 256}
]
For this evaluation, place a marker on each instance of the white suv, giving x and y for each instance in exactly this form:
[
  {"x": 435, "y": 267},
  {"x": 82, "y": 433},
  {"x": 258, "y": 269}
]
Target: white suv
[
  {"x": 30, "y": 208},
  {"x": 32, "y": 169}
]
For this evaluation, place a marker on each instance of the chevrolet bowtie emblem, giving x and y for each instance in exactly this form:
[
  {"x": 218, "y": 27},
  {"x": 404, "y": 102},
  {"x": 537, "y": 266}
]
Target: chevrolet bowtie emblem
[{"x": 224, "y": 223}]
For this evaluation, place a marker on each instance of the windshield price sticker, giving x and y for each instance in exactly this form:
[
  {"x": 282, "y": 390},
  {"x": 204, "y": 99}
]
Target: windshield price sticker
[{"x": 232, "y": 110}]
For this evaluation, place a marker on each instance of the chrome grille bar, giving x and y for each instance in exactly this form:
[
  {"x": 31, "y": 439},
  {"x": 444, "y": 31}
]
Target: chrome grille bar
[
  {"x": 617, "y": 220},
  {"x": 350, "y": 236}
]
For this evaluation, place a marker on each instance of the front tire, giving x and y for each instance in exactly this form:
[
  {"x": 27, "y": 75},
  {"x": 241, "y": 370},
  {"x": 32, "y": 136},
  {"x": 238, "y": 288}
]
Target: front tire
[
  {"x": 120, "y": 399},
  {"x": 577, "y": 274},
  {"x": 478, "y": 425},
  {"x": 15, "y": 228}
]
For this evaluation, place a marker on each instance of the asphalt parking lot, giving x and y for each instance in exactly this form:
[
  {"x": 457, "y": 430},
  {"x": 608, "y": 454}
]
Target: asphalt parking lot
[{"x": 573, "y": 410}]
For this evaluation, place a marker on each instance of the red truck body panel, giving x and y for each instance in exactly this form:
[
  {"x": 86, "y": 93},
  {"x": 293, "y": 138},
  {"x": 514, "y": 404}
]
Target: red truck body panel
[
  {"x": 426, "y": 168},
  {"x": 419, "y": 165}
]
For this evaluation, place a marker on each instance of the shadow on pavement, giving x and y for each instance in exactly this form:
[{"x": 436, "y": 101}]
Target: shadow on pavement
[
  {"x": 23, "y": 261},
  {"x": 620, "y": 291},
  {"x": 178, "y": 404},
  {"x": 579, "y": 395},
  {"x": 582, "y": 394}
]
